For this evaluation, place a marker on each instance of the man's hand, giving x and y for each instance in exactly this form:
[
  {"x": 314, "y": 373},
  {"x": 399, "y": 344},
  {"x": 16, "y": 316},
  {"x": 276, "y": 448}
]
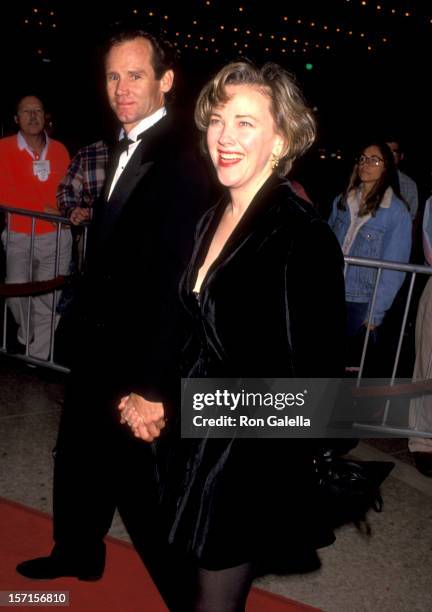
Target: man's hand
[
  {"x": 145, "y": 418},
  {"x": 372, "y": 327},
  {"x": 51, "y": 210},
  {"x": 79, "y": 215}
]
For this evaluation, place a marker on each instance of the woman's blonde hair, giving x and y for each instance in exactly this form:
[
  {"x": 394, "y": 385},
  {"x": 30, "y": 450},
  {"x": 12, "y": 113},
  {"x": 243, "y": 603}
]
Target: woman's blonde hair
[{"x": 294, "y": 121}]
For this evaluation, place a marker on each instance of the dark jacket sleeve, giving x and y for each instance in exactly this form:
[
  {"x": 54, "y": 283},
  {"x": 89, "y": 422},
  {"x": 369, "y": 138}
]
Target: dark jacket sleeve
[
  {"x": 188, "y": 197},
  {"x": 316, "y": 303}
]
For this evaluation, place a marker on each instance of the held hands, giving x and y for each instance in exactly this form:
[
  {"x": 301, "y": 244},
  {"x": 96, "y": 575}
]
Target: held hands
[{"x": 145, "y": 418}]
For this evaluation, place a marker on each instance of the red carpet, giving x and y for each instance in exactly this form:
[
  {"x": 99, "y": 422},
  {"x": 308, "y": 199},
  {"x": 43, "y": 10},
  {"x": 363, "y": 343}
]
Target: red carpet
[{"x": 125, "y": 587}]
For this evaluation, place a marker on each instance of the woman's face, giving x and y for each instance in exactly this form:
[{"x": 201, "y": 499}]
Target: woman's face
[
  {"x": 241, "y": 139},
  {"x": 370, "y": 165}
]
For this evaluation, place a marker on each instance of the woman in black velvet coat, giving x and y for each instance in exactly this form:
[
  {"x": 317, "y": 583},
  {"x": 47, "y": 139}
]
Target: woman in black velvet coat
[{"x": 265, "y": 293}]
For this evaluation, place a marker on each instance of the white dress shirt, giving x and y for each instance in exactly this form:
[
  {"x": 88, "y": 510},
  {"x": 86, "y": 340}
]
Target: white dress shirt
[{"x": 142, "y": 126}]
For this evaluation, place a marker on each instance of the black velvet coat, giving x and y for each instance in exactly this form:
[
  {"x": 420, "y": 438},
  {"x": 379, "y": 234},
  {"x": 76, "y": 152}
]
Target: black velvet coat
[{"x": 271, "y": 305}]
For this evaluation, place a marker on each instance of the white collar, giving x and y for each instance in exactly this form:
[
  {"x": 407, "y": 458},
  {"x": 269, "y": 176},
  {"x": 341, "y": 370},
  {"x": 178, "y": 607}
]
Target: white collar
[
  {"x": 387, "y": 197},
  {"x": 144, "y": 124},
  {"x": 24, "y": 146},
  {"x": 355, "y": 195}
]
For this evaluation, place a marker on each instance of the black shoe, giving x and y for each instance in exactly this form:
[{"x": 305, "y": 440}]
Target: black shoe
[
  {"x": 47, "y": 568},
  {"x": 423, "y": 462}
]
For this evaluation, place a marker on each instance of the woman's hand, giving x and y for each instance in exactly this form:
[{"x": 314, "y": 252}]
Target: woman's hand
[{"x": 145, "y": 418}]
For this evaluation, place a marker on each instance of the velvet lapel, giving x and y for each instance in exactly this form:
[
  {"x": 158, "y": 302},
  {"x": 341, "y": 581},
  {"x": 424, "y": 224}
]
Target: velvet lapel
[{"x": 262, "y": 203}]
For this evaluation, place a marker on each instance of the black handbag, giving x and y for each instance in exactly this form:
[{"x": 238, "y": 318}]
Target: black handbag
[{"x": 348, "y": 489}]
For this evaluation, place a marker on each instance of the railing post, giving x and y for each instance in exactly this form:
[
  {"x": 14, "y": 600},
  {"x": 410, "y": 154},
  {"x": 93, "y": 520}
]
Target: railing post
[{"x": 59, "y": 222}]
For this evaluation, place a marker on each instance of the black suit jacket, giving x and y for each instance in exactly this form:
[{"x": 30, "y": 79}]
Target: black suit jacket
[{"x": 139, "y": 244}]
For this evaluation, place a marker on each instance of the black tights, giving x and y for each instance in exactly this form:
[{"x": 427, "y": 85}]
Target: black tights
[{"x": 223, "y": 590}]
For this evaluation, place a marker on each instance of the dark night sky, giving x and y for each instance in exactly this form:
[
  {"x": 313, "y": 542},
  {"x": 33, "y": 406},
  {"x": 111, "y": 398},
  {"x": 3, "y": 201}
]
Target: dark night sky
[{"x": 357, "y": 91}]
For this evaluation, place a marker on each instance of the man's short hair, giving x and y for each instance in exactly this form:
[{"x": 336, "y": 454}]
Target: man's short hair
[
  {"x": 28, "y": 95},
  {"x": 164, "y": 55}
]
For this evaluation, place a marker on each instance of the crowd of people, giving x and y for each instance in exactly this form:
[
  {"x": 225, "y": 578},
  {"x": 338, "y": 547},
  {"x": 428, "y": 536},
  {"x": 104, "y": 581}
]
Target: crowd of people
[{"x": 262, "y": 294}]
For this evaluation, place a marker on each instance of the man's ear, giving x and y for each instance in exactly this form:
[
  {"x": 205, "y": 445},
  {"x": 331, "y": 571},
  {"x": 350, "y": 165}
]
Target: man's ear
[
  {"x": 167, "y": 81},
  {"x": 16, "y": 119}
]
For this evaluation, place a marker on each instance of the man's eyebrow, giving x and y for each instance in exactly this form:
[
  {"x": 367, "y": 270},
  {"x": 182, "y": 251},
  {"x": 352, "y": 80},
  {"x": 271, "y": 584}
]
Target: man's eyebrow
[{"x": 131, "y": 71}]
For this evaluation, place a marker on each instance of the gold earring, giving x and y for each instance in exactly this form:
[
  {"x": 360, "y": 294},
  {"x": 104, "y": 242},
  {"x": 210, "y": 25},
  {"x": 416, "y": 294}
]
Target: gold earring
[{"x": 274, "y": 162}]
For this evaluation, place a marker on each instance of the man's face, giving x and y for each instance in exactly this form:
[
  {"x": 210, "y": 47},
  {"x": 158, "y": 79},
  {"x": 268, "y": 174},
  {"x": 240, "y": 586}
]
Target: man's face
[
  {"x": 395, "y": 149},
  {"x": 30, "y": 116},
  {"x": 133, "y": 91}
]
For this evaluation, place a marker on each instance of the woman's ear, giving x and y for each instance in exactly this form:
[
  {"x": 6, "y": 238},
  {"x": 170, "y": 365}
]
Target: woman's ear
[{"x": 279, "y": 147}]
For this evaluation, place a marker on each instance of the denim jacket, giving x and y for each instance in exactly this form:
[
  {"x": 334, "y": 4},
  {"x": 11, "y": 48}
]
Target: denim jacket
[
  {"x": 409, "y": 192},
  {"x": 385, "y": 236},
  {"x": 427, "y": 232}
]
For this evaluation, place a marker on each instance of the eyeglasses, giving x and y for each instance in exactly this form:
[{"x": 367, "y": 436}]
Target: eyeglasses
[{"x": 373, "y": 160}]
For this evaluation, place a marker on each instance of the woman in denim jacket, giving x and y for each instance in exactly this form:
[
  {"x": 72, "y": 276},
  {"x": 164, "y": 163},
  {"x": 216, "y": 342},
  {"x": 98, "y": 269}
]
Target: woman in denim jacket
[{"x": 370, "y": 219}]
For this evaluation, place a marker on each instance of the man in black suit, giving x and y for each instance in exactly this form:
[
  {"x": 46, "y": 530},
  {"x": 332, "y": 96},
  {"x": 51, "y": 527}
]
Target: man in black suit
[{"x": 128, "y": 317}]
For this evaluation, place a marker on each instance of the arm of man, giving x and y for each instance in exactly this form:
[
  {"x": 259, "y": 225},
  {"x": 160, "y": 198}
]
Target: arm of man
[{"x": 69, "y": 192}]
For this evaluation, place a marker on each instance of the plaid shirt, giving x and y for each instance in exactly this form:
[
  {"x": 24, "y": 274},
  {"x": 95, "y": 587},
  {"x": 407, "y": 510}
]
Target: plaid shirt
[{"x": 84, "y": 178}]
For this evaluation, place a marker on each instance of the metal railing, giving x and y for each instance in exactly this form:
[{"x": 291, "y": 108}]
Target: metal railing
[
  {"x": 31, "y": 289},
  {"x": 391, "y": 387}
]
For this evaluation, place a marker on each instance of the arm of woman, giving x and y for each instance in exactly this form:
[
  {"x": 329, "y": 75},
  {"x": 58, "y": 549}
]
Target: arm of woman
[
  {"x": 316, "y": 302},
  {"x": 396, "y": 247},
  {"x": 333, "y": 213},
  {"x": 427, "y": 231}
]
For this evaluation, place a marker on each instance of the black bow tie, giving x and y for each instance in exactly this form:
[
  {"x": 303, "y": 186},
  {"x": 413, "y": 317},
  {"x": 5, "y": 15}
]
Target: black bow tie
[{"x": 123, "y": 143}]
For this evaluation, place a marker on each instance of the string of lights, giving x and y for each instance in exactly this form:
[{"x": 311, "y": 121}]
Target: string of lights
[
  {"x": 345, "y": 53},
  {"x": 217, "y": 27}
]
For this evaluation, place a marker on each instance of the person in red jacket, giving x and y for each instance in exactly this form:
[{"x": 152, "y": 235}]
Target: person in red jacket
[{"x": 31, "y": 167}]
